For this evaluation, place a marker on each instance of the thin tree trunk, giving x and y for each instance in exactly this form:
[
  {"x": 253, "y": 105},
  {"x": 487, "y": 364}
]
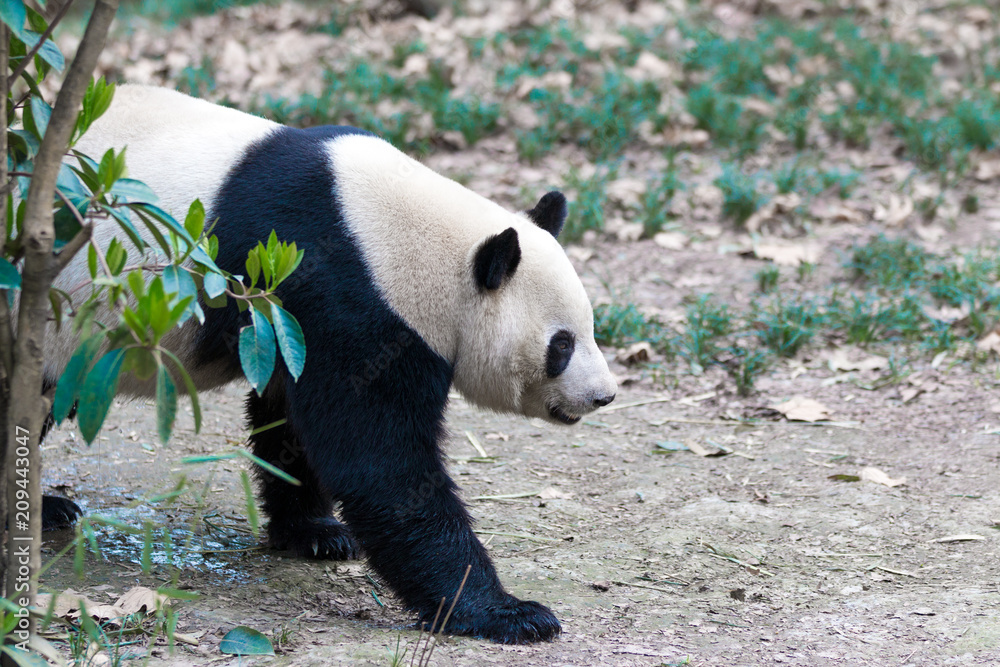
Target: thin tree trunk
[
  {"x": 6, "y": 342},
  {"x": 27, "y": 409}
]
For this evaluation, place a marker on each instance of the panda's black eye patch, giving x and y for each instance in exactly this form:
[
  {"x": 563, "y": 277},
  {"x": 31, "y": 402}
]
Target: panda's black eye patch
[{"x": 560, "y": 351}]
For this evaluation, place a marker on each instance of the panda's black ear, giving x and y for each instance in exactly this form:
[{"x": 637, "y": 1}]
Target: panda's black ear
[
  {"x": 550, "y": 212},
  {"x": 496, "y": 259}
]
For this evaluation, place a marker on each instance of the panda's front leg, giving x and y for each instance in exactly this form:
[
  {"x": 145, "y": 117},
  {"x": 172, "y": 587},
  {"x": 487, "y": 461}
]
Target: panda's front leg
[{"x": 419, "y": 538}]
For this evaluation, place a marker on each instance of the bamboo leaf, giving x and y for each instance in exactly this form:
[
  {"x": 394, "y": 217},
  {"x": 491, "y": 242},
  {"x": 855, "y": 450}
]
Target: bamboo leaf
[
  {"x": 166, "y": 403},
  {"x": 251, "y": 505},
  {"x": 269, "y": 467},
  {"x": 192, "y": 390}
]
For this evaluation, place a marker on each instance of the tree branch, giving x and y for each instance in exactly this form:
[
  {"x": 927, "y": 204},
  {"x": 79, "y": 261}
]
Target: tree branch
[
  {"x": 74, "y": 246},
  {"x": 23, "y": 65},
  {"x": 6, "y": 326}
]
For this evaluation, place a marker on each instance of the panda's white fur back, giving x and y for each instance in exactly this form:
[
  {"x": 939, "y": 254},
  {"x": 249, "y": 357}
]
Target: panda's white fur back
[{"x": 181, "y": 146}]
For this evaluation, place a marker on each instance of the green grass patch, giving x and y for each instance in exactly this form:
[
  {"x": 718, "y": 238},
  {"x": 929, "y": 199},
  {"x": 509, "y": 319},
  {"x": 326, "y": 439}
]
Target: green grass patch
[
  {"x": 741, "y": 193},
  {"x": 890, "y": 295}
]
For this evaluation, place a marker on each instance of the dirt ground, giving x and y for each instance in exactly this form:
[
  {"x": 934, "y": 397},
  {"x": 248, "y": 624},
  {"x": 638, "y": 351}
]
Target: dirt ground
[{"x": 649, "y": 556}]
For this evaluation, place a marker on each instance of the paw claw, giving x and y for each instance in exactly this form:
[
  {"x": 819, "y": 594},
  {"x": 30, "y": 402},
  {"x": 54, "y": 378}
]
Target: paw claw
[{"x": 325, "y": 539}]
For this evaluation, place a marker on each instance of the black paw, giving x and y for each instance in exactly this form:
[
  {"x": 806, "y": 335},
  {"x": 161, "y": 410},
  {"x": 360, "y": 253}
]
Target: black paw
[
  {"x": 322, "y": 539},
  {"x": 514, "y": 622},
  {"x": 59, "y": 513}
]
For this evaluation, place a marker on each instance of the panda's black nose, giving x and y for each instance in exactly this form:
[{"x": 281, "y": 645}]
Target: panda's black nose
[{"x": 601, "y": 402}]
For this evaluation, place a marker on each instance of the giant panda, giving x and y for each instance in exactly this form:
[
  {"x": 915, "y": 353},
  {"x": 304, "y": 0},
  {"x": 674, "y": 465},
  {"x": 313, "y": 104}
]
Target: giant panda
[{"x": 411, "y": 284}]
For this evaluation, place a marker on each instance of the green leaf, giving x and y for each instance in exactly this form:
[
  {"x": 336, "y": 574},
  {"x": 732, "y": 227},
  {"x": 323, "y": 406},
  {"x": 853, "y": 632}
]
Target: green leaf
[
  {"x": 140, "y": 360},
  {"x": 253, "y": 267},
  {"x": 92, "y": 261},
  {"x": 192, "y": 391},
  {"x": 13, "y": 13},
  {"x": 146, "y": 560},
  {"x": 72, "y": 378},
  {"x": 290, "y": 340},
  {"x": 106, "y": 169},
  {"x": 194, "y": 222},
  {"x": 209, "y": 458},
  {"x": 257, "y": 351},
  {"x": 159, "y": 214},
  {"x": 166, "y": 403},
  {"x": 201, "y": 257},
  {"x": 9, "y": 277},
  {"x": 49, "y": 52},
  {"x": 271, "y": 468},
  {"x": 41, "y": 112},
  {"x": 133, "y": 190},
  {"x": 178, "y": 594},
  {"x": 215, "y": 285},
  {"x": 116, "y": 256},
  {"x": 16, "y": 137},
  {"x": 121, "y": 215},
  {"x": 99, "y": 389},
  {"x": 242, "y": 640},
  {"x": 251, "y": 505},
  {"x": 180, "y": 282}
]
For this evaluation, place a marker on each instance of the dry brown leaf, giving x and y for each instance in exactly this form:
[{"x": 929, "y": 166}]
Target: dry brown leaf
[
  {"x": 987, "y": 170},
  {"x": 626, "y": 191},
  {"x": 896, "y": 211},
  {"x": 579, "y": 253},
  {"x": 787, "y": 254},
  {"x": 947, "y": 313},
  {"x": 649, "y": 67},
  {"x": 670, "y": 240},
  {"x": 871, "y": 474},
  {"x": 705, "y": 450},
  {"x": 836, "y": 212},
  {"x": 989, "y": 343},
  {"x": 628, "y": 231},
  {"x": 552, "y": 493},
  {"x": 839, "y": 360},
  {"x": 800, "y": 408},
  {"x": 684, "y": 136},
  {"x": 139, "y": 598},
  {"x": 907, "y": 394},
  {"x": 930, "y": 233},
  {"x": 637, "y": 353}
]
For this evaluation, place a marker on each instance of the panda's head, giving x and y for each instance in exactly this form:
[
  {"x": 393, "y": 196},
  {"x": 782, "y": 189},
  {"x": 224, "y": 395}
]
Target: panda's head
[{"x": 529, "y": 347}]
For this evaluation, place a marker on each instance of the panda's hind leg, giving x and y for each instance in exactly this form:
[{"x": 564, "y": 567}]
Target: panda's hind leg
[{"x": 301, "y": 517}]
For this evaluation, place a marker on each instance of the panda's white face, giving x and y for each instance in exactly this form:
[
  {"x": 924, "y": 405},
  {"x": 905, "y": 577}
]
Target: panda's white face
[
  {"x": 489, "y": 290},
  {"x": 539, "y": 343}
]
